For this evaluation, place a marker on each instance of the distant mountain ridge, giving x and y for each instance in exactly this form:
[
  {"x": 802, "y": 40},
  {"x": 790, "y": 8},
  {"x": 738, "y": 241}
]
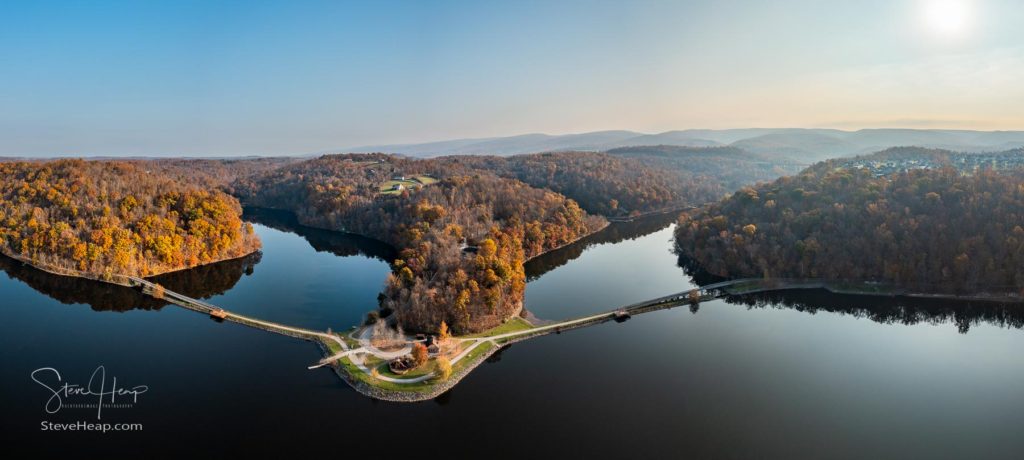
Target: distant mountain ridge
[{"x": 793, "y": 143}]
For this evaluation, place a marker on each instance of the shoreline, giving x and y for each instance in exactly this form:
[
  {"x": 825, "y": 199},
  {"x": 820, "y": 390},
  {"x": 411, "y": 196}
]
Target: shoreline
[
  {"x": 440, "y": 388},
  {"x": 651, "y": 214},
  {"x": 99, "y": 277},
  {"x": 314, "y": 227},
  {"x": 499, "y": 341},
  {"x": 361, "y": 387},
  {"x": 299, "y": 221},
  {"x": 841, "y": 287},
  {"x": 570, "y": 243}
]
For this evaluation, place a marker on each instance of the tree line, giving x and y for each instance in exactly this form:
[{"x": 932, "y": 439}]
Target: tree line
[
  {"x": 940, "y": 230},
  {"x": 105, "y": 218}
]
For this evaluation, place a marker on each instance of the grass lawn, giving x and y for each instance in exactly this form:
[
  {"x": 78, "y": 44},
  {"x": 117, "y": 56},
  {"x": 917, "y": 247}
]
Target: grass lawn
[
  {"x": 334, "y": 347},
  {"x": 387, "y": 187},
  {"x": 425, "y": 369},
  {"x": 352, "y": 343},
  {"x": 358, "y": 374},
  {"x": 371, "y": 361},
  {"x": 425, "y": 180},
  {"x": 349, "y": 367},
  {"x": 472, "y": 355},
  {"x": 331, "y": 345},
  {"x": 513, "y": 325}
]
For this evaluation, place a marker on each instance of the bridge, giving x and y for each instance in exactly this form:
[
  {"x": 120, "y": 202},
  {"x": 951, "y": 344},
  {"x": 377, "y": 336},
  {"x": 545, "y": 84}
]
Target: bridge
[
  {"x": 213, "y": 310},
  {"x": 153, "y": 289}
]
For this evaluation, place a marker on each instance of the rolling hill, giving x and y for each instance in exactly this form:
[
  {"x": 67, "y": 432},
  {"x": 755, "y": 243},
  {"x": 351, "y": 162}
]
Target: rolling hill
[{"x": 800, "y": 145}]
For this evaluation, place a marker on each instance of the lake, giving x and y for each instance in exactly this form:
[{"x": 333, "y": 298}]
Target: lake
[{"x": 794, "y": 374}]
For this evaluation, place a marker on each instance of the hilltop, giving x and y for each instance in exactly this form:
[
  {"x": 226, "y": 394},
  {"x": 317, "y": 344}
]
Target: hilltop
[{"x": 806, "y": 145}]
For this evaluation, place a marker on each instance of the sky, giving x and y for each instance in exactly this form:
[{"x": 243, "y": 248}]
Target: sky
[{"x": 294, "y": 77}]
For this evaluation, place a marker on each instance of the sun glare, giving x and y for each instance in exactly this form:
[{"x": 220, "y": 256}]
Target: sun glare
[{"x": 947, "y": 17}]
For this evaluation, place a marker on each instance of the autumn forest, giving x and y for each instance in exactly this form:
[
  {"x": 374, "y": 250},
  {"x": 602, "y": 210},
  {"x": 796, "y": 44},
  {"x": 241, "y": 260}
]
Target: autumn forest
[
  {"x": 462, "y": 227},
  {"x": 105, "y": 218},
  {"x": 937, "y": 229}
]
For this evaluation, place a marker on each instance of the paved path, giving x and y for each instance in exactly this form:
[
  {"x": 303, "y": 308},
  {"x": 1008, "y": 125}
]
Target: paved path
[
  {"x": 199, "y": 305},
  {"x": 364, "y": 339},
  {"x": 366, "y": 347},
  {"x": 363, "y": 336}
]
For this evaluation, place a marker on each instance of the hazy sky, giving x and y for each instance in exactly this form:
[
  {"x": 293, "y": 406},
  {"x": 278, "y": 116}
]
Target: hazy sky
[{"x": 248, "y": 77}]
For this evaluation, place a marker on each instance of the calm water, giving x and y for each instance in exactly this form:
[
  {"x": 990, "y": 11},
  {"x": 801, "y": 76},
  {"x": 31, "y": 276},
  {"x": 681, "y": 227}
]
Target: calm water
[{"x": 793, "y": 375}]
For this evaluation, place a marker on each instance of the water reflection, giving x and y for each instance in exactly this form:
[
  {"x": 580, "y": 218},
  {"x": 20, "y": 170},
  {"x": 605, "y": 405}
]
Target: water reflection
[
  {"x": 615, "y": 232},
  {"x": 337, "y": 243},
  {"x": 200, "y": 282},
  {"x": 885, "y": 310},
  {"x": 207, "y": 281},
  {"x": 99, "y": 296},
  {"x": 891, "y": 310}
]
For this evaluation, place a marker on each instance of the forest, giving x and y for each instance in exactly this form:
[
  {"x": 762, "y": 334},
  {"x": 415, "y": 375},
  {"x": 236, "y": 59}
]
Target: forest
[
  {"x": 104, "y": 218},
  {"x": 461, "y": 242},
  {"x": 600, "y": 183},
  {"x": 938, "y": 230},
  {"x": 630, "y": 181},
  {"x": 716, "y": 170}
]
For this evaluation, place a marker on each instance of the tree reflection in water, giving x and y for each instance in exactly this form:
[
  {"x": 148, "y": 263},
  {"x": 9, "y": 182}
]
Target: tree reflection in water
[
  {"x": 881, "y": 309},
  {"x": 200, "y": 282},
  {"x": 214, "y": 279},
  {"x": 615, "y": 232},
  {"x": 337, "y": 243},
  {"x": 891, "y": 310}
]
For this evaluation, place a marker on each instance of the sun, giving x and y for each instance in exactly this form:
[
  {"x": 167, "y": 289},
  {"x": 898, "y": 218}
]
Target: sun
[{"x": 947, "y": 17}]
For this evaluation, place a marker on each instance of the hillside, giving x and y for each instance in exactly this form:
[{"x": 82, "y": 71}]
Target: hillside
[
  {"x": 605, "y": 184},
  {"x": 461, "y": 240},
  {"x": 794, "y": 144},
  {"x": 900, "y": 159},
  {"x": 937, "y": 230},
  {"x": 709, "y": 173},
  {"x": 107, "y": 218},
  {"x": 506, "y": 209}
]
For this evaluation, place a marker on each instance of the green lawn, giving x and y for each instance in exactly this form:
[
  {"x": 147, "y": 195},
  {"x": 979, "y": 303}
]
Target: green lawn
[
  {"x": 425, "y": 369},
  {"x": 335, "y": 348},
  {"x": 349, "y": 367},
  {"x": 472, "y": 355},
  {"x": 371, "y": 361},
  {"x": 386, "y": 188},
  {"x": 513, "y": 325},
  {"x": 358, "y": 374},
  {"x": 352, "y": 343},
  {"x": 425, "y": 179},
  {"x": 331, "y": 345}
]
